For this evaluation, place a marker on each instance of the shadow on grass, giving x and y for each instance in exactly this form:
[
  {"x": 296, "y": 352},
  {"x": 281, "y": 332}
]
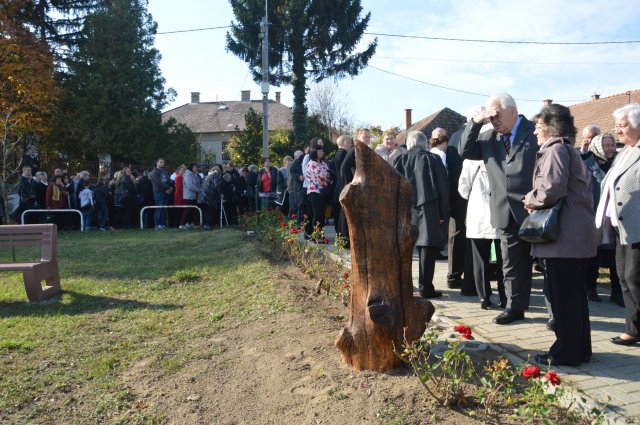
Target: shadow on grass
[{"x": 75, "y": 303}]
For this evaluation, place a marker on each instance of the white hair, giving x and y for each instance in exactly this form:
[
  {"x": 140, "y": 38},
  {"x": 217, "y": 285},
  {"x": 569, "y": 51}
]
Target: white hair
[
  {"x": 416, "y": 138},
  {"x": 503, "y": 99},
  {"x": 344, "y": 140},
  {"x": 591, "y": 128},
  {"x": 631, "y": 111}
]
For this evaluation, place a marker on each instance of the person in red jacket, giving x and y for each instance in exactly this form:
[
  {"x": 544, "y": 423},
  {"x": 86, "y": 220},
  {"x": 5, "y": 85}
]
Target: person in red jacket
[{"x": 56, "y": 198}]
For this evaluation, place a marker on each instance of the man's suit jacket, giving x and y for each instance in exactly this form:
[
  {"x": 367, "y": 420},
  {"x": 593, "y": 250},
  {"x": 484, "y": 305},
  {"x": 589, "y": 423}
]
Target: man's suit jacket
[
  {"x": 427, "y": 175},
  {"x": 510, "y": 177}
]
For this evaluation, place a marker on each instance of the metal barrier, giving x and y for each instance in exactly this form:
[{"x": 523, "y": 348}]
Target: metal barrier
[
  {"x": 57, "y": 210},
  {"x": 167, "y": 206}
]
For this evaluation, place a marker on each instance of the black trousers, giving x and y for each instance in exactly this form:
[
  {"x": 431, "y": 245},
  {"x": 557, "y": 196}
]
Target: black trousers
[
  {"x": 426, "y": 268},
  {"x": 456, "y": 249},
  {"x": 516, "y": 267},
  {"x": 605, "y": 258},
  {"x": 628, "y": 265},
  {"x": 481, "y": 249},
  {"x": 317, "y": 204},
  {"x": 564, "y": 286}
]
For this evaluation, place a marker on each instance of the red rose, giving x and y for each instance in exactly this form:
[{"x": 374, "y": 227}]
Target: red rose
[
  {"x": 553, "y": 379},
  {"x": 531, "y": 372},
  {"x": 294, "y": 215},
  {"x": 345, "y": 275},
  {"x": 291, "y": 241},
  {"x": 283, "y": 224},
  {"x": 292, "y": 231},
  {"x": 305, "y": 216},
  {"x": 326, "y": 240}
]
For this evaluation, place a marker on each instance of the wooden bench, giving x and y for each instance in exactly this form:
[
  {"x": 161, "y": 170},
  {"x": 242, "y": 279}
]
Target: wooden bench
[{"x": 46, "y": 237}]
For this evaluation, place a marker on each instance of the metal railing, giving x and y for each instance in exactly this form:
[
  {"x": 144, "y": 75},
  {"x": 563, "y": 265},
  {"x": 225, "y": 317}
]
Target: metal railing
[
  {"x": 167, "y": 206},
  {"x": 54, "y": 210}
]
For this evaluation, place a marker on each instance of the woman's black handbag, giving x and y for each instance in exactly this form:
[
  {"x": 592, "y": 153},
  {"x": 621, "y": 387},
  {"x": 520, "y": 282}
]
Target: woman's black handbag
[{"x": 541, "y": 225}]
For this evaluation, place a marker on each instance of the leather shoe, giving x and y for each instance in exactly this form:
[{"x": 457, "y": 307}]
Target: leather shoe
[
  {"x": 485, "y": 304},
  {"x": 551, "y": 325},
  {"x": 434, "y": 294},
  {"x": 508, "y": 316},
  {"x": 545, "y": 360},
  {"x": 620, "y": 341},
  {"x": 454, "y": 283},
  {"x": 617, "y": 299}
]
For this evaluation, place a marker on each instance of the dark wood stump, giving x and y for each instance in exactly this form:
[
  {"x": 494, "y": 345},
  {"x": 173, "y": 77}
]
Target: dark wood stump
[{"x": 377, "y": 205}]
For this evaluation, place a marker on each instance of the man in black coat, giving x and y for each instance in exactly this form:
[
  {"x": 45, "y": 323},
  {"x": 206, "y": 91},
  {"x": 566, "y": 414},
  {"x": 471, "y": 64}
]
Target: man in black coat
[
  {"x": 345, "y": 144},
  {"x": 509, "y": 153},
  {"x": 427, "y": 174},
  {"x": 296, "y": 190}
]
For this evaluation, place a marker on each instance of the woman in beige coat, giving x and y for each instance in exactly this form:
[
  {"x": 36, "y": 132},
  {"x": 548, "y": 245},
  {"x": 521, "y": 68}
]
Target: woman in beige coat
[{"x": 560, "y": 174}]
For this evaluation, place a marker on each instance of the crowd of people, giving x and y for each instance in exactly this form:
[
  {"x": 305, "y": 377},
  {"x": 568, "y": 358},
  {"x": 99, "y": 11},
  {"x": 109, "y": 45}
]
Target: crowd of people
[{"x": 475, "y": 188}]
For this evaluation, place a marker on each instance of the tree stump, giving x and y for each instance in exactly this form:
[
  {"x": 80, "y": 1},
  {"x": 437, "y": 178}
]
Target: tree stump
[{"x": 377, "y": 205}]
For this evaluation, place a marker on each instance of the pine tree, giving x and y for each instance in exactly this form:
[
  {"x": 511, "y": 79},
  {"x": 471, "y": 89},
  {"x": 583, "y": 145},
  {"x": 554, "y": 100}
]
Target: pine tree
[
  {"x": 114, "y": 92},
  {"x": 308, "y": 39}
]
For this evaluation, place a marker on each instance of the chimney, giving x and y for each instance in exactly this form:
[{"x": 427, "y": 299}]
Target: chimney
[
  {"x": 595, "y": 96},
  {"x": 195, "y": 97},
  {"x": 245, "y": 95},
  {"x": 407, "y": 118},
  {"x": 278, "y": 96},
  {"x": 547, "y": 102}
]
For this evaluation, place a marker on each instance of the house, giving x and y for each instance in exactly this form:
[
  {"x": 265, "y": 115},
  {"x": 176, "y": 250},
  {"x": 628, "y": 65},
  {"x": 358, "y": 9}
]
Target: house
[
  {"x": 598, "y": 111},
  {"x": 214, "y": 122},
  {"x": 445, "y": 118}
]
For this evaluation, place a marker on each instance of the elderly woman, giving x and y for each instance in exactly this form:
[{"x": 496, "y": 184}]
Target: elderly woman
[
  {"x": 598, "y": 159},
  {"x": 617, "y": 215},
  {"x": 318, "y": 176},
  {"x": 560, "y": 174}
]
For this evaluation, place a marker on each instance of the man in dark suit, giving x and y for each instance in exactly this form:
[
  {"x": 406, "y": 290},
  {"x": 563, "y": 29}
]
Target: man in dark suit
[
  {"x": 427, "y": 174},
  {"x": 345, "y": 144},
  {"x": 509, "y": 153}
]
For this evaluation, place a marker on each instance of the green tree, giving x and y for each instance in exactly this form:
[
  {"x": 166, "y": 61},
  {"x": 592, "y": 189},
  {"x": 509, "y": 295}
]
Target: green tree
[
  {"x": 308, "y": 39},
  {"x": 114, "y": 91},
  {"x": 245, "y": 147},
  {"x": 178, "y": 143}
]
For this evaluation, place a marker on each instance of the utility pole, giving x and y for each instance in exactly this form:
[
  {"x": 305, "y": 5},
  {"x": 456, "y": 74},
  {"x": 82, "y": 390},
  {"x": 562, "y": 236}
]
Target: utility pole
[{"x": 264, "y": 33}]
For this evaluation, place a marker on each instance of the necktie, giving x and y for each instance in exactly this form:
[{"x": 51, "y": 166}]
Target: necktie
[{"x": 507, "y": 142}]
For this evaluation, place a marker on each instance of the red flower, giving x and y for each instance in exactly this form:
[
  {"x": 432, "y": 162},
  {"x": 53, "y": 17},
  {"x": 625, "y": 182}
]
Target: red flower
[
  {"x": 305, "y": 216},
  {"x": 292, "y": 231},
  {"x": 345, "y": 285},
  {"x": 464, "y": 331},
  {"x": 280, "y": 217},
  {"x": 467, "y": 335},
  {"x": 283, "y": 224},
  {"x": 291, "y": 241},
  {"x": 326, "y": 240},
  {"x": 271, "y": 238},
  {"x": 345, "y": 275},
  {"x": 294, "y": 215},
  {"x": 553, "y": 379},
  {"x": 531, "y": 372}
]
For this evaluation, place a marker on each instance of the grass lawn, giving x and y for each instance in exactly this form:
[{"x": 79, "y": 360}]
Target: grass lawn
[{"x": 127, "y": 296}]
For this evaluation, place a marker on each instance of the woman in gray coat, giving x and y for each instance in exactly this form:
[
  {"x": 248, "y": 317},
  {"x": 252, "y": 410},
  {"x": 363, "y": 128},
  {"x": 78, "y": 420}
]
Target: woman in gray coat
[
  {"x": 617, "y": 215},
  {"x": 560, "y": 174}
]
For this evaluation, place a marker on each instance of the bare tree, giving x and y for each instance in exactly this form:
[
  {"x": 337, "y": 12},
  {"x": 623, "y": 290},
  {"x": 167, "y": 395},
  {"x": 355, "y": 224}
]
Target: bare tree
[{"x": 330, "y": 101}]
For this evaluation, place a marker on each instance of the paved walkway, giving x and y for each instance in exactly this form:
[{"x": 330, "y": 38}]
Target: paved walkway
[{"x": 614, "y": 371}]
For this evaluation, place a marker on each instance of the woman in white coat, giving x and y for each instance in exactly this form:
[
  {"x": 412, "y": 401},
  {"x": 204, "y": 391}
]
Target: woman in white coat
[{"x": 474, "y": 186}]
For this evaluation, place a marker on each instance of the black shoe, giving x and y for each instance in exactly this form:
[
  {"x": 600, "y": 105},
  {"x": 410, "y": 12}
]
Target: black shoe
[
  {"x": 592, "y": 295},
  {"x": 454, "y": 283},
  {"x": 469, "y": 293},
  {"x": 545, "y": 360},
  {"x": 617, "y": 299},
  {"x": 551, "y": 325},
  {"x": 508, "y": 316},
  {"x": 485, "y": 304},
  {"x": 434, "y": 294},
  {"x": 619, "y": 341}
]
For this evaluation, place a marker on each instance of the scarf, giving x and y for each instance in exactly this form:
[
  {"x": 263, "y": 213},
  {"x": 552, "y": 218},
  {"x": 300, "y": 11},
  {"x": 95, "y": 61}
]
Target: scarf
[{"x": 56, "y": 193}]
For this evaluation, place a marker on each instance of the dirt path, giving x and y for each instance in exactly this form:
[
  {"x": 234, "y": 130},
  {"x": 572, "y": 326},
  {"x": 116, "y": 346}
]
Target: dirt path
[{"x": 284, "y": 370}]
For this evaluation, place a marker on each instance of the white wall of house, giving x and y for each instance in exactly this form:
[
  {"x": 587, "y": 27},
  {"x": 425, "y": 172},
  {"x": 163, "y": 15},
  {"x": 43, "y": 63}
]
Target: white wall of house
[{"x": 211, "y": 143}]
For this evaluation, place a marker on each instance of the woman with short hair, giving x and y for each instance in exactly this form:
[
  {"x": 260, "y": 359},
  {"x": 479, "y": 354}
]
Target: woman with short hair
[
  {"x": 617, "y": 216},
  {"x": 560, "y": 175}
]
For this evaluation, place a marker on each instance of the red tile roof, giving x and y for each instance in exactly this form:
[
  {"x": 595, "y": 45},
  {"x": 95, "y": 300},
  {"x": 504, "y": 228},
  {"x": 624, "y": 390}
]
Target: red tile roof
[
  {"x": 446, "y": 118},
  {"x": 598, "y": 112}
]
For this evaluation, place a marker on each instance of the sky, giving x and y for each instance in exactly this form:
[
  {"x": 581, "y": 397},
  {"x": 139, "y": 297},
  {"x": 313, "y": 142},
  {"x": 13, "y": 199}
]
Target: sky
[{"x": 405, "y": 72}]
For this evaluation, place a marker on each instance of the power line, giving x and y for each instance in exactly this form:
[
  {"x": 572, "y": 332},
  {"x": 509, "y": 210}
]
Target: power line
[
  {"x": 193, "y": 30},
  {"x": 472, "y": 40},
  {"x": 461, "y": 91},
  {"x": 506, "y": 62}
]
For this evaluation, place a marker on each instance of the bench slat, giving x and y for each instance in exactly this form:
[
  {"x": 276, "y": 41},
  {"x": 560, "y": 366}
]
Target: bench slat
[
  {"x": 17, "y": 266},
  {"x": 27, "y": 243}
]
